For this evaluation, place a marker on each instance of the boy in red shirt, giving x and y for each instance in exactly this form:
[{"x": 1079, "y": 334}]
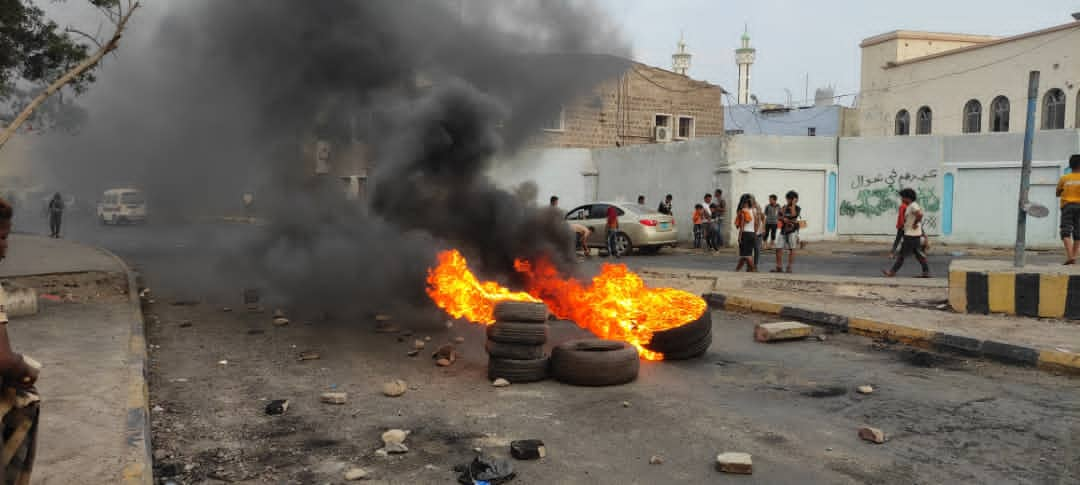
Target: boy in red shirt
[
  {"x": 612, "y": 230},
  {"x": 899, "y": 229}
]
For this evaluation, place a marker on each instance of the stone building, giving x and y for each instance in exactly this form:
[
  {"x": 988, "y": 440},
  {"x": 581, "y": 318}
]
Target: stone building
[{"x": 920, "y": 83}]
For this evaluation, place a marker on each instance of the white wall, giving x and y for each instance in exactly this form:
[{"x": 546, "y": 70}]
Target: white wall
[
  {"x": 872, "y": 172},
  {"x": 565, "y": 172}
]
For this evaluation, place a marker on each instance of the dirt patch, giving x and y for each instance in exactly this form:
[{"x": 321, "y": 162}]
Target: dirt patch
[{"x": 94, "y": 286}]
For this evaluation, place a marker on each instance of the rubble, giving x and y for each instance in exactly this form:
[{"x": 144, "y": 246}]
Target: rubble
[
  {"x": 413, "y": 353},
  {"x": 872, "y": 435},
  {"x": 527, "y": 449},
  {"x": 281, "y": 321},
  {"x": 226, "y": 309},
  {"x": 427, "y": 338},
  {"x": 732, "y": 462},
  {"x": 334, "y": 397},
  {"x": 626, "y": 404},
  {"x": 449, "y": 324},
  {"x": 394, "y": 441},
  {"x": 277, "y": 407},
  {"x": 459, "y": 340},
  {"x": 443, "y": 362},
  {"x": 500, "y": 382},
  {"x": 418, "y": 344},
  {"x": 771, "y": 332},
  {"x": 865, "y": 389},
  {"x": 308, "y": 356},
  {"x": 381, "y": 317},
  {"x": 279, "y": 313},
  {"x": 185, "y": 324},
  {"x": 394, "y": 388},
  {"x": 160, "y": 454},
  {"x": 485, "y": 469},
  {"x": 656, "y": 460},
  {"x": 356, "y": 474},
  {"x": 445, "y": 352}
]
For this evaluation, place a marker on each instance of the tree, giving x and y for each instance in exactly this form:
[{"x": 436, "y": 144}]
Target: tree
[{"x": 36, "y": 51}]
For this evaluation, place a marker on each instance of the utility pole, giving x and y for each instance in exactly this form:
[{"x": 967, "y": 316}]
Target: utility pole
[{"x": 1025, "y": 171}]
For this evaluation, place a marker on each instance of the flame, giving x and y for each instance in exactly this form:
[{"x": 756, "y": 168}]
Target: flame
[
  {"x": 615, "y": 305},
  {"x": 456, "y": 290}
]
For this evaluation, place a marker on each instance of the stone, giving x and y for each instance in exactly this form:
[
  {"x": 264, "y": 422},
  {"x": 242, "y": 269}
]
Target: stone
[
  {"x": 394, "y": 436},
  {"x": 381, "y": 453},
  {"x": 459, "y": 340},
  {"x": 160, "y": 454},
  {"x": 185, "y": 324},
  {"x": 281, "y": 321},
  {"x": 771, "y": 332},
  {"x": 309, "y": 356},
  {"x": 157, "y": 409},
  {"x": 414, "y": 353},
  {"x": 500, "y": 382},
  {"x": 443, "y": 362},
  {"x": 872, "y": 435},
  {"x": 446, "y": 351},
  {"x": 419, "y": 344},
  {"x": 732, "y": 462},
  {"x": 449, "y": 324},
  {"x": 226, "y": 309},
  {"x": 396, "y": 448},
  {"x": 356, "y": 474},
  {"x": 865, "y": 389},
  {"x": 277, "y": 407},
  {"x": 406, "y": 333},
  {"x": 626, "y": 404},
  {"x": 427, "y": 338},
  {"x": 334, "y": 397},
  {"x": 656, "y": 460},
  {"x": 382, "y": 317},
  {"x": 279, "y": 313},
  {"x": 394, "y": 388},
  {"x": 527, "y": 449}
]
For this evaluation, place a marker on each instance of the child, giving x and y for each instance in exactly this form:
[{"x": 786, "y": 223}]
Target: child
[
  {"x": 699, "y": 224},
  {"x": 899, "y": 230},
  {"x": 1068, "y": 188},
  {"x": 759, "y": 231},
  {"x": 913, "y": 236},
  {"x": 772, "y": 213},
  {"x": 745, "y": 225},
  {"x": 789, "y": 231}
]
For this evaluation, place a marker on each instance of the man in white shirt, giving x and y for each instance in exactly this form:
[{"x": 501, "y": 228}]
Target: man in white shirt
[{"x": 913, "y": 235}]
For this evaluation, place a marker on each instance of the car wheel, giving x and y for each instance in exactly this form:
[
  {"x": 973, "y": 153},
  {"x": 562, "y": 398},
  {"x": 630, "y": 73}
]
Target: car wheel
[
  {"x": 521, "y": 311},
  {"x": 518, "y": 370},
  {"x": 594, "y": 362},
  {"x": 623, "y": 246},
  {"x": 518, "y": 333}
]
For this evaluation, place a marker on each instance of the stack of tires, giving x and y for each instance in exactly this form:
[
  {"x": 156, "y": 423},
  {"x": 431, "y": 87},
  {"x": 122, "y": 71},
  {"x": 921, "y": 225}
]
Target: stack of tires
[
  {"x": 515, "y": 342},
  {"x": 684, "y": 342}
]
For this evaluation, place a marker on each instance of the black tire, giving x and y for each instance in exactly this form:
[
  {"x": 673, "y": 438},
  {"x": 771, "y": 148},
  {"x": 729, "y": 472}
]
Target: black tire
[
  {"x": 594, "y": 362},
  {"x": 694, "y": 350},
  {"x": 623, "y": 245},
  {"x": 521, "y": 311},
  {"x": 500, "y": 350},
  {"x": 679, "y": 338},
  {"x": 518, "y": 333},
  {"x": 518, "y": 370}
]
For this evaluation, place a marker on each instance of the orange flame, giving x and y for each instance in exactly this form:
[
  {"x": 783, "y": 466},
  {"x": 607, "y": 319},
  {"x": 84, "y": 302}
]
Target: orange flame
[
  {"x": 616, "y": 305},
  {"x": 456, "y": 290}
]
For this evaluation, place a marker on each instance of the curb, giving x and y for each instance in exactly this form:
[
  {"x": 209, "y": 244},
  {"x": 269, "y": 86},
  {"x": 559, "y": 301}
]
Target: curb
[
  {"x": 1005, "y": 353},
  {"x": 138, "y": 470}
]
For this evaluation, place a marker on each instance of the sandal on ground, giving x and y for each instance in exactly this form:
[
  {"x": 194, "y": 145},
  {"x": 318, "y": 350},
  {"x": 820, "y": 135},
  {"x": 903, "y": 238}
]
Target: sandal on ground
[{"x": 1070, "y": 261}]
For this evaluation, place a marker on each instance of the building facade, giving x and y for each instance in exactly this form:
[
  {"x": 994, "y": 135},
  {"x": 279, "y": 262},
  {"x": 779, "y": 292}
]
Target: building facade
[
  {"x": 643, "y": 105},
  {"x": 921, "y": 83}
]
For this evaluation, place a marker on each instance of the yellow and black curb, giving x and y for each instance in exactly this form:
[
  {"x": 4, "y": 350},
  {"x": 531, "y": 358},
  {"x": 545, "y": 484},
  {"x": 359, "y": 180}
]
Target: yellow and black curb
[
  {"x": 1006, "y": 353},
  {"x": 138, "y": 464},
  {"x": 1045, "y": 295}
]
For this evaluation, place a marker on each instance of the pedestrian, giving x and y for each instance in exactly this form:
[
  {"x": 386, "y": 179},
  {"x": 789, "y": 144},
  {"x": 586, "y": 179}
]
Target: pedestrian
[
  {"x": 641, "y": 200},
  {"x": 56, "y": 214},
  {"x": 612, "y": 230},
  {"x": 665, "y": 206},
  {"x": 708, "y": 230},
  {"x": 1068, "y": 188},
  {"x": 747, "y": 230},
  {"x": 759, "y": 231},
  {"x": 554, "y": 202},
  {"x": 699, "y": 224},
  {"x": 772, "y": 213},
  {"x": 581, "y": 237},
  {"x": 899, "y": 230},
  {"x": 789, "y": 231},
  {"x": 714, "y": 227},
  {"x": 720, "y": 216},
  {"x": 913, "y": 236}
]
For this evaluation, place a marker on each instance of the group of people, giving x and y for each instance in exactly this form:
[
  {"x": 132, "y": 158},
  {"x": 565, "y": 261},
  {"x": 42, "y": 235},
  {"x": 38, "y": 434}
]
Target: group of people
[
  {"x": 758, "y": 226},
  {"x": 708, "y": 220}
]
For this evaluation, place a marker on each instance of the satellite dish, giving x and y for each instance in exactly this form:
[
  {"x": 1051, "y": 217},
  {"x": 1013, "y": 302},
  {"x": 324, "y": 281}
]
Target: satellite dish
[{"x": 1036, "y": 210}]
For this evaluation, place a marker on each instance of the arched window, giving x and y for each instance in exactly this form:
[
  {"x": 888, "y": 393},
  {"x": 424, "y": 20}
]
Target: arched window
[
  {"x": 903, "y": 122},
  {"x": 923, "y": 120},
  {"x": 973, "y": 116},
  {"x": 999, "y": 114},
  {"x": 1054, "y": 110}
]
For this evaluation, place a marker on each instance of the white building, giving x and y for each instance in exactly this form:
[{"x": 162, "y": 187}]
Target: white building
[{"x": 917, "y": 83}]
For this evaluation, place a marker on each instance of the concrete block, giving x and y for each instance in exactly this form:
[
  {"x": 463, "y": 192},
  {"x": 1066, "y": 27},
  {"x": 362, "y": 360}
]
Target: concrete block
[
  {"x": 770, "y": 332},
  {"x": 334, "y": 397},
  {"x": 732, "y": 462}
]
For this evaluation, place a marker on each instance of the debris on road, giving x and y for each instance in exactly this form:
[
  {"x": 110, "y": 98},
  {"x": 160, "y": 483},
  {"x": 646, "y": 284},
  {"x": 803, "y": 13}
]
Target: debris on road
[
  {"x": 160, "y": 454},
  {"x": 394, "y": 441},
  {"x": 485, "y": 469},
  {"x": 443, "y": 362},
  {"x": 872, "y": 435},
  {"x": 226, "y": 309},
  {"x": 185, "y": 303},
  {"x": 418, "y": 344},
  {"x": 731, "y": 462},
  {"x": 394, "y": 388},
  {"x": 256, "y": 309},
  {"x": 500, "y": 382},
  {"x": 865, "y": 389},
  {"x": 308, "y": 356},
  {"x": 414, "y": 353},
  {"x": 157, "y": 408},
  {"x": 427, "y": 338},
  {"x": 185, "y": 324},
  {"x": 334, "y": 397},
  {"x": 277, "y": 407},
  {"x": 449, "y": 324},
  {"x": 626, "y": 404},
  {"x": 771, "y": 332},
  {"x": 356, "y": 474},
  {"x": 447, "y": 353},
  {"x": 459, "y": 340},
  {"x": 527, "y": 449},
  {"x": 279, "y": 313},
  {"x": 223, "y": 362},
  {"x": 382, "y": 317},
  {"x": 656, "y": 460},
  {"x": 281, "y": 321}
]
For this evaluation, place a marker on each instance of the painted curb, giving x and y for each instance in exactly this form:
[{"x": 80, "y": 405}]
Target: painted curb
[
  {"x": 1005, "y": 353},
  {"x": 139, "y": 469}
]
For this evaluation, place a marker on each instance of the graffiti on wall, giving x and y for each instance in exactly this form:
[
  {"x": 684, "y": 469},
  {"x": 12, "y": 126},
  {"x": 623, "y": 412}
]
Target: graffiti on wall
[
  {"x": 893, "y": 179},
  {"x": 884, "y": 200}
]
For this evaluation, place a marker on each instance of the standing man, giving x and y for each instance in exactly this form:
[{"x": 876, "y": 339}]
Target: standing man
[
  {"x": 1068, "y": 188},
  {"x": 772, "y": 217},
  {"x": 913, "y": 235},
  {"x": 641, "y": 200},
  {"x": 612, "y": 230},
  {"x": 708, "y": 221},
  {"x": 665, "y": 206},
  {"x": 720, "y": 217},
  {"x": 56, "y": 213},
  {"x": 789, "y": 232},
  {"x": 554, "y": 202}
]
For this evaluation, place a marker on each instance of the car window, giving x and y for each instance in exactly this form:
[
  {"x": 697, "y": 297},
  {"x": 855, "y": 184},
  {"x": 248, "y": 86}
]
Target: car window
[
  {"x": 599, "y": 211},
  {"x": 578, "y": 213},
  {"x": 132, "y": 198}
]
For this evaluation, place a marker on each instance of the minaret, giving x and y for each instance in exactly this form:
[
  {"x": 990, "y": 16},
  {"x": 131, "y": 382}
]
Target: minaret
[
  {"x": 680, "y": 60},
  {"x": 744, "y": 57}
]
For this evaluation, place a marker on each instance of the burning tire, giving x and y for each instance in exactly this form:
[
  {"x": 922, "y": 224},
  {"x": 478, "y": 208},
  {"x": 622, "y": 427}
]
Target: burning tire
[
  {"x": 518, "y": 333},
  {"x": 518, "y": 370},
  {"x": 594, "y": 362},
  {"x": 677, "y": 340},
  {"x": 693, "y": 350},
  {"x": 499, "y": 350},
  {"x": 521, "y": 311}
]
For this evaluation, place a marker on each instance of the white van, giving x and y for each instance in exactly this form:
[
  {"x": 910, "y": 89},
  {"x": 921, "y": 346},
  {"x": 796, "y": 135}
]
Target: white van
[{"x": 122, "y": 206}]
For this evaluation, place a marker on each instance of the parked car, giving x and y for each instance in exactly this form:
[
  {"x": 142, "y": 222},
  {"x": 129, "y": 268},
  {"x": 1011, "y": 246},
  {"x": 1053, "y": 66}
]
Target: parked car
[
  {"x": 639, "y": 226},
  {"x": 122, "y": 206}
]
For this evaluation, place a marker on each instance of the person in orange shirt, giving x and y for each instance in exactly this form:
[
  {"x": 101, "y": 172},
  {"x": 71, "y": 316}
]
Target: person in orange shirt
[
  {"x": 1068, "y": 188},
  {"x": 746, "y": 224},
  {"x": 699, "y": 224}
]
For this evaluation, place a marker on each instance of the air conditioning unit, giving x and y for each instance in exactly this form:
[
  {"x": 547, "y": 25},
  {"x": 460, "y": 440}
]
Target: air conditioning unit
[{"x": 662, "y": 134}]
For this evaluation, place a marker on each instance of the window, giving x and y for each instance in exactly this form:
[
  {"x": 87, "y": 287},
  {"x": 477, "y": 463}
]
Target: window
[
  {"x": 903, "y": 122},
  {"x": 811, "y": 131},
  {"x": 580, "y": 213},
  {"x": 923, "y": 121},
  {"x": 663, "y": 120},
  {"x": 599, "y": 211},
  {"x": 557, "y": 122},
  {"x": 1053, "y": 110},
  {"x": 973, "y": 116},
  {"x": 999, "y": 114},
  {"x": 686, "y": 127}
]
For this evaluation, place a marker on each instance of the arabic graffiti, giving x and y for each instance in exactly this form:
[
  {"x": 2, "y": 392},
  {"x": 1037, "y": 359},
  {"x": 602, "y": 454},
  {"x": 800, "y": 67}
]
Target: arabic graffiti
[
  {"x": 884, "y": 200},
  {"x": 905, "y": 179}
]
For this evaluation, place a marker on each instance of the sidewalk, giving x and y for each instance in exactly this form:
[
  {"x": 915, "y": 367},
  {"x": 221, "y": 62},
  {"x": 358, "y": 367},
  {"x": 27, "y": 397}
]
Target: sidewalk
[
  {"x": 89, "y": 342},
  {"x": 910, "y": 311},
  {"x": 844, "y": 247}
]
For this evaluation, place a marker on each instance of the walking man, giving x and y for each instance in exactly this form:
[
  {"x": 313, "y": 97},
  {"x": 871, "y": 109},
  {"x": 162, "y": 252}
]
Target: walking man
[
  {"x": 612, "y": 230},
  {"x": 789, "y": 232},
  {"x": 772, "y": 216},
  {"x": 913, "y": 236},
  {"x": 899, "y": 231},
  {"x": 1068, "y": 188},
  {"x": 665, "y": 206},
  {"x": 56, "y": 213}
]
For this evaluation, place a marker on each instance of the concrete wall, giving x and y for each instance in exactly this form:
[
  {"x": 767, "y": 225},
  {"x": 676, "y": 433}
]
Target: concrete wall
[
  {"x": 873, "y": 170},
  {"x": 566, "y": 173}
]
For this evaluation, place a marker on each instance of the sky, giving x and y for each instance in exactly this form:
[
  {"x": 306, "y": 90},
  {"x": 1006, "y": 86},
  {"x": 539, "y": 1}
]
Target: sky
[{"x": 797, "y": 38}]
